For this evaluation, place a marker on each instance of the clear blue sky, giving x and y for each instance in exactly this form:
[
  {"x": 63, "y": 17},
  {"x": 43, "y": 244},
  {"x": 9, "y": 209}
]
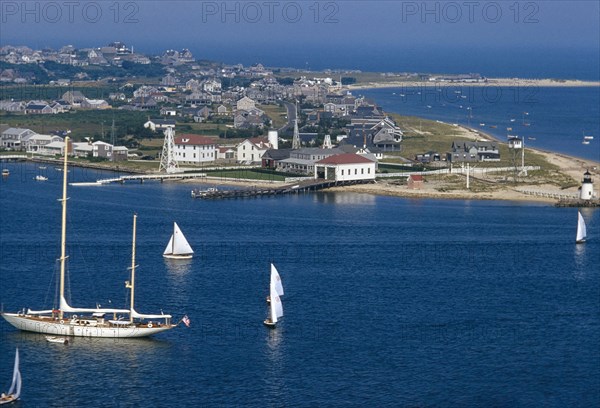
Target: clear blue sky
[{"x": 222, "y": 29}]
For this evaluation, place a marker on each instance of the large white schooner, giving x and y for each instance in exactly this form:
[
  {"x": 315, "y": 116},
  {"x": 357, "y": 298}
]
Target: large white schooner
[{"x": 89, "y": 322}]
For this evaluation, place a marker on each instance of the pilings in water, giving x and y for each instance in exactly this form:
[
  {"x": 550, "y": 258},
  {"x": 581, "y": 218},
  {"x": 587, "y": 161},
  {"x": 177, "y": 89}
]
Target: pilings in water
[{"x": 214, "y": 194}]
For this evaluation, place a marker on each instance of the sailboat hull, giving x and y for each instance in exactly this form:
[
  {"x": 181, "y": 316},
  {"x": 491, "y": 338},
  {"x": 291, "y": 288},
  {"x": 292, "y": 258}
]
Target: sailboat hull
[
  {"x": 174, "y": 256},
  {"x": 269, "y": 324},
  {"x": 66, "y": 327}
]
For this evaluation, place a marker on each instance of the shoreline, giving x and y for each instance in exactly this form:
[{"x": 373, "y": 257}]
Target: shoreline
[{"x": 501, "y": 82}]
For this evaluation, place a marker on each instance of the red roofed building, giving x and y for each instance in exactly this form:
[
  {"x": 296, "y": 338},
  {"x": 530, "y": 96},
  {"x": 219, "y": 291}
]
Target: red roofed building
[
  {"x": 346, "y": 167},
  {"x": 195, "y": 149},
  {"x": 415, "y": 181}
]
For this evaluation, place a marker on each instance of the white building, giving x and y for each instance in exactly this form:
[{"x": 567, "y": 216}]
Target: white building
[
  {"x": 34, "y": 142},
  {"x": 194, "y": 149},
  {"x": 345, "y": 167},
  {"x": 82, "y": 149},
  {"x": 252, "y": 150}
]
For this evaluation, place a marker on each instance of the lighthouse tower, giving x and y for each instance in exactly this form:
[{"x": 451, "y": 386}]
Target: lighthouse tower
[{"x": 587, "y": 187}]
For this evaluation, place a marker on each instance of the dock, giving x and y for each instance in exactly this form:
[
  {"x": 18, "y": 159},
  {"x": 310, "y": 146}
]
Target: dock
[
  {"x": 578, "y": 203},
  {"x": 141, "y": 178},
  {"x": 301, "y": 187}
]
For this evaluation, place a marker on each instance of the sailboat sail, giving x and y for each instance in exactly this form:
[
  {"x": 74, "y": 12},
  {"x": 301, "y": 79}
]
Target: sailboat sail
[
  {"x": 276, "y": 280},
  {"x": 581, "y": 229},
  {"x": 276, "y": 306},
  {"x": 178, "y": 245}
]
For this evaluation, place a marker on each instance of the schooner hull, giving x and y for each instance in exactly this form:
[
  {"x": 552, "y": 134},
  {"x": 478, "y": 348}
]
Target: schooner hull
[{"x": 66, "y": 328}]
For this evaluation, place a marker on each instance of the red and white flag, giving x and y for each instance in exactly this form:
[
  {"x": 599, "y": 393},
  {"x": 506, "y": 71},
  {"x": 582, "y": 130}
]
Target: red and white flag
[{"x": 186, "y": 320}]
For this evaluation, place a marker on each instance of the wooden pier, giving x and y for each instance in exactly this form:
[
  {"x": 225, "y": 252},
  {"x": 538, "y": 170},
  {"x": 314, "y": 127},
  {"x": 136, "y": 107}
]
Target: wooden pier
[
  {"x": 302, "y": 187},
  {"x": 143, "y": 177}
]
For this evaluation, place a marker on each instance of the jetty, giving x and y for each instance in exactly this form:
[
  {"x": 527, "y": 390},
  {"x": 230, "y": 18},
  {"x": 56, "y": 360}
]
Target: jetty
[
  {"x": 565, "y": 202},
  {"x": 301, "y": 187}
]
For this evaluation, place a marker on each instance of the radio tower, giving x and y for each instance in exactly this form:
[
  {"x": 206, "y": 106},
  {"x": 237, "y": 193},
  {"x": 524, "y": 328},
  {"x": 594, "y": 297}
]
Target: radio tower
[{"x": 167, "y": 158}]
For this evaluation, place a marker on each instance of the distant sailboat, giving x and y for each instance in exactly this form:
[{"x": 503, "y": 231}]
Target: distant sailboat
[
  {"x": 14, "y": 392},
  {"x": 178, "y": 247},
  {"x": 275, "y": 306},
  {"x": 581, "y": 229}
]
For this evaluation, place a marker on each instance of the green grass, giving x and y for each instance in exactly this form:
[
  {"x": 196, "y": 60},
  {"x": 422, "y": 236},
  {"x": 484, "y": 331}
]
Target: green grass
[
  {"x": 82, "y": 123},
  {"x": 249, "y": 174},
  {"x": 276, "y": 113}
]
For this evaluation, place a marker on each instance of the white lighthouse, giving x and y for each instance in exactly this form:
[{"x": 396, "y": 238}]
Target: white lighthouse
[
  {"x": 587, "y": 187},
  {"x": 273, "y": 138}
]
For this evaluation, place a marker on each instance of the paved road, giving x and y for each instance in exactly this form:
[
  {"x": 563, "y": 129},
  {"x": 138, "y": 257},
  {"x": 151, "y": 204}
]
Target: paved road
[{"x": 291, "y": 114}]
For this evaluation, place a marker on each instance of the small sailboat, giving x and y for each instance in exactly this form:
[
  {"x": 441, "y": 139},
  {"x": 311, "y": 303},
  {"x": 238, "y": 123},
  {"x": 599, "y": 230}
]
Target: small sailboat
[
  {"x": 581, "y": 229},
  {"x": 275, "y": 281},
  {"x": 178, "y": 247},
  {"x": 14, "y": 392},
  {"x": 275, "y": 308}
]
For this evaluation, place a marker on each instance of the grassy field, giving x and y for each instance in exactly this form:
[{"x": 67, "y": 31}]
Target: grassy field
[
  {"x": 82, "y": 123},
  {"x": 278, "y": 114},
  {"x": 248, "y": 174}
]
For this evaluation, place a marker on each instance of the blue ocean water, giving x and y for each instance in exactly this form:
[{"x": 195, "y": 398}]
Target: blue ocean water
[
  {"x": 551, "y": 118},
  {"x": 492, "y": 62},
  {"x": 389, "y": 301}
]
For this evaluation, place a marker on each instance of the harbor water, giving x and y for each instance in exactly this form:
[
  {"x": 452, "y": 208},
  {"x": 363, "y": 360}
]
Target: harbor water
[{"x": 388, "y": 301}]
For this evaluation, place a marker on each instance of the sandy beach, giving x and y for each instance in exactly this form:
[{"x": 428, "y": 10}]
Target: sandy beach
[{"x": 503, "y": 82}]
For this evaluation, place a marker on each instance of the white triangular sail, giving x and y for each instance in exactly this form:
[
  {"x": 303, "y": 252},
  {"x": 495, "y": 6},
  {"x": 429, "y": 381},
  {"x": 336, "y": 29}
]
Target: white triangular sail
[
  {"x": 178, "y": 245},
  {"x": 169, "y": 248},
  {"x": 276, "y": 306},
  {"x": 15, "y": 387},
  {"x": 581, "y": 229},
  {"x": 276, "y": 280}
]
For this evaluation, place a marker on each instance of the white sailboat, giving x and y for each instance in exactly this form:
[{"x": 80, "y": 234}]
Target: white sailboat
[
  {"x": 276, "y": 281},
  {"x": 581, "y": 229},
  {"x": 178, "y": 247},
  {"x": 87, "y": 322},
  {"x": 14, "y": 392},
  {"x": 275, "y": 306}
]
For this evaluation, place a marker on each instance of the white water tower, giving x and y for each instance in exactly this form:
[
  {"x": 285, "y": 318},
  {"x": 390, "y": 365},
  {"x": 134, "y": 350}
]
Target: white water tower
[
  {"x": 587, "y": 187},
  {"x": 274, "y": 139}
]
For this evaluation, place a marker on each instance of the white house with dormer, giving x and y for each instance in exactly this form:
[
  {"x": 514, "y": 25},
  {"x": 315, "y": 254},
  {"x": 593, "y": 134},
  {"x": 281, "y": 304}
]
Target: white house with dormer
[
  {"x": 252, "y": 150},
  {"x": 195, "y": 149}
]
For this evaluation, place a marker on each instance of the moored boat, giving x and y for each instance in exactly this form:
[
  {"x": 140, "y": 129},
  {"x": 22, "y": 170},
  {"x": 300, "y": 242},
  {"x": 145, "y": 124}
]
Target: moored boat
[
  {"x": 88, "y": 322},
  {"x": 56, "y": 339}
]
